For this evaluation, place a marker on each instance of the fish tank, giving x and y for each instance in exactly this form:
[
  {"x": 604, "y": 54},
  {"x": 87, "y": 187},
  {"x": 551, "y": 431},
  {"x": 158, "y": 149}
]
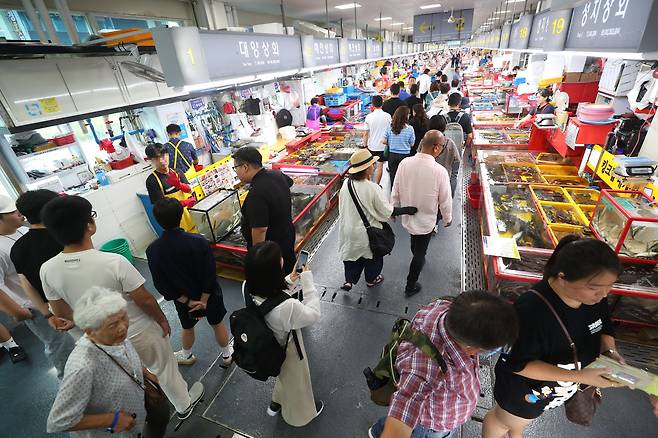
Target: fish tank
[
  {"x": 628, "y": 222},
  {"x": 215, "y": 216}
]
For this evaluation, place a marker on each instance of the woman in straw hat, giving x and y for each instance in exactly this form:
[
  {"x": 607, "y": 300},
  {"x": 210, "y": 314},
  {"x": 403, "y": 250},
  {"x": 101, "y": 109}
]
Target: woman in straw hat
[{"x": 353, "y": 244}]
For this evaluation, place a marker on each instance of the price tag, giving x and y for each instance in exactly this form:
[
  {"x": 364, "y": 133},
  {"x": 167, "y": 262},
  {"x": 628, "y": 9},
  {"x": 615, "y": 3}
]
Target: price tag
[{"x": 550, "y": 29}]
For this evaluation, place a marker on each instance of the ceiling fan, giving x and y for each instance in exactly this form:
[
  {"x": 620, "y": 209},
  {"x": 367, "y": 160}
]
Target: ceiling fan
[{"x": 452, "y": 17}]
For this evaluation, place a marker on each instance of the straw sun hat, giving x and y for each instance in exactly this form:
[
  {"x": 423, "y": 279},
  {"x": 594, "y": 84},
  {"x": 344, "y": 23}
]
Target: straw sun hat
[{"x": 361, "y": 160}]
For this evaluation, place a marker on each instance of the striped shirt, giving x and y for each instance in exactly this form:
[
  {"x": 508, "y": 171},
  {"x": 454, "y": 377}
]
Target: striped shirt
[
  {"x": 426, "y": 396},
  {"x": 400, "y": 143}
]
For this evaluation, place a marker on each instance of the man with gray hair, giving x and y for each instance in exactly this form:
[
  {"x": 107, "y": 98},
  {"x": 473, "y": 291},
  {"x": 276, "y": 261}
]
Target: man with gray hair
[{"x": 423, "y": 183}]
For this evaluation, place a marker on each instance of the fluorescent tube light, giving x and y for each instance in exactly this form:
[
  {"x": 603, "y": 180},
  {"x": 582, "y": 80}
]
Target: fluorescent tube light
[
  {"x": 348, "y": 6},
  {"x": 433, "y": 5},
  {"x": 396, "y": 24},
  {"x": 383, "y": 18}
]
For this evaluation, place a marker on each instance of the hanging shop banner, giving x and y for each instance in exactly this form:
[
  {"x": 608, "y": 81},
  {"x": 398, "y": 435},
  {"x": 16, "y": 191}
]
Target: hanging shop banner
[
  {"x": 397, "y": 48},
  {"x": 549, "y": 30},
  {"x": 505, "y": 35},
  {"x": 235, "y": 53},
  {"x": 319, "y": 52},
  {"x": 182, "y": 59},
  {"x": 521, "y": 33},
  {"x": 352, "y": 50},
  {"x": 614, "y": 25},
  {"x": 374, "y": 49},
  {"x": 388, "y": 48},
  {"x": 440, "y": 27},
  {"x": 494, "y": 39}
]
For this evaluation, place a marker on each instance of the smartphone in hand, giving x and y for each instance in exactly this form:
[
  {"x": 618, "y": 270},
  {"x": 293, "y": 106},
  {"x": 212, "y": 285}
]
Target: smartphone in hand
[{"x": 302, "y": 260}]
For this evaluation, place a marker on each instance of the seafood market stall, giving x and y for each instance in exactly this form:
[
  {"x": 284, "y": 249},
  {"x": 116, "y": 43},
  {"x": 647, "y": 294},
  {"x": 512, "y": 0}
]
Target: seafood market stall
[
  {"x": 537, "y": 204},
  {"x": 500, "y": 139}
]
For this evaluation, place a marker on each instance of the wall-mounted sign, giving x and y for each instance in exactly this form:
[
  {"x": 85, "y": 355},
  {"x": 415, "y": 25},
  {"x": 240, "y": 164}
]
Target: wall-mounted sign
[
  {"x": 318, "y": 52},
  {"x": 397, "y": 48},
  {"x": 251, "y": 53},
  {"x": 521, "y": 33},
  {"x": 505, "y": 35},
  {"x": 352, "y": 50},
  {"x": 614, "y": 25},
  {"x": 494, "y": 38},
  {"x": 374, "y": 49},
  {"x": 439, "y": 27},
  {"x": 549, "y": 30}
]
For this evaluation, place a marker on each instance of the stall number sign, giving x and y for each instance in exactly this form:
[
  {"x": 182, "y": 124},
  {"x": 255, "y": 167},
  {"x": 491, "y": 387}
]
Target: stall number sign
[
  {"x": 374, "y": 49},
  {"x": 227, "y": 53},
  {"x": 521, "y": 33},
  {"x": 549, "y": 30},
  {"x": 610, "y": 24},
  {"x": 319, "y": 51}
]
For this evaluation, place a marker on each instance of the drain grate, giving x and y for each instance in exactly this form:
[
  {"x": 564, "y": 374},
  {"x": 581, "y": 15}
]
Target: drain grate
[{"x": 472, "y": 272}]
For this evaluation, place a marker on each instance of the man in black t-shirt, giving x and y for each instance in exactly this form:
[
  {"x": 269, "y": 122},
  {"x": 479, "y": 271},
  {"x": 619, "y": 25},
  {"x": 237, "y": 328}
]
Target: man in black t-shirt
[
  {"x": 457, "y": 115},
  {"x": 267, "y": 209},
  {"x": 394, "y": 102},
  {"x": 27, "y": 254}
]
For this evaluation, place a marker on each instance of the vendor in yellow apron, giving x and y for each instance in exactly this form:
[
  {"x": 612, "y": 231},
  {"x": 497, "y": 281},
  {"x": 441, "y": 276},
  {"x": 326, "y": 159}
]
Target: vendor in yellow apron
[
  {"x": 189, "y": 171},
  {"x": 159, "y": 157}
]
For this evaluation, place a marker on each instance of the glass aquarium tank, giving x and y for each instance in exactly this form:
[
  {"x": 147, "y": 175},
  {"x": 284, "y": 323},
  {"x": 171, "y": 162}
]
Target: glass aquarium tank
[
  {"x": 628, "y": 222},
  {"x": 217, "y": 215}
]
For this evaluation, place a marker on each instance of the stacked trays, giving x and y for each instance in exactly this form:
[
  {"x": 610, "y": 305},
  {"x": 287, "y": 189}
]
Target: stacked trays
[{"x": 595, "y": 113}]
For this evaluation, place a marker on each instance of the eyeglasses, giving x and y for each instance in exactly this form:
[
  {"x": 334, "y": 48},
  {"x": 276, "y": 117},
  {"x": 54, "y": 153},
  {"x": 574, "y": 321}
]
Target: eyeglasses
[
  {"x": 94, "y": 215},
  {"x": 235, "y": 168}
]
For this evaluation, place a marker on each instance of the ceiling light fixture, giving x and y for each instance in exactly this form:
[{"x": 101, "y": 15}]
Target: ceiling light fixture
[
  {"x": 348, "y": 6},
  {"x": 396, "y": 24},
  {"x": 514, "y": 1},
  {"x": 409, "y": 28},
  {"x": 383, "y": 18},
  {"x": 433, "y": 5}
]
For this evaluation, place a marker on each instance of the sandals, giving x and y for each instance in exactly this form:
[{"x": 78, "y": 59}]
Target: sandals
[
  {"x": 378, "y": 280},
  {"x": 347, "y": 287}
]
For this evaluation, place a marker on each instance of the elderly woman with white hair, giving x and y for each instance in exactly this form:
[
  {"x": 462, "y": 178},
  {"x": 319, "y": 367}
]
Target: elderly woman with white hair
[{"x": 99, "y": 392}]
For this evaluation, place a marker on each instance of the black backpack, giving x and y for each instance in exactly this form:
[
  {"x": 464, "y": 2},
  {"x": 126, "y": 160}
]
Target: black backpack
[{"x": 256, "y": 350}]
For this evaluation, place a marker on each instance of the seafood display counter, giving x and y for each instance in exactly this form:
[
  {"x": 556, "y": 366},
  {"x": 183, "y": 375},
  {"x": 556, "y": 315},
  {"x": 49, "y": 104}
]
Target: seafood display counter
[
  {"x": 500, "y": 139},
  {"x": 314, "y": 194},
  {"x": 493, "y": 119},
  {"x": 537, "y": 204}
]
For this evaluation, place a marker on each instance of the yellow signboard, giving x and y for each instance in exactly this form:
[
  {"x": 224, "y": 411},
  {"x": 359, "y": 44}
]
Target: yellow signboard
[
  {"x": 604, "y": 168},
  {"x": 50, "y": 105}
]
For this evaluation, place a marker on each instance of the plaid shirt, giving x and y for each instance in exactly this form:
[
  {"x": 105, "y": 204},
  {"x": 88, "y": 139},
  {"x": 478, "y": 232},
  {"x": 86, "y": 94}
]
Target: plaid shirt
[{"x": 426, "y": 396}]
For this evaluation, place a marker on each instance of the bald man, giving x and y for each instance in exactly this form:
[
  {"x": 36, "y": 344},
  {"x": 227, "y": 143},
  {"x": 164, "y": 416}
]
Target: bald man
[{"x": 423, "y": 183}]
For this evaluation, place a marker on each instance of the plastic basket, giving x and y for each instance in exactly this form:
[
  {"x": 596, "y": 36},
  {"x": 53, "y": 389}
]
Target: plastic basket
[
  {"x": 366, "y": 99},
  {"x": 335, "y": 99},
  {"x": 118, "y": 246},
  {"x": 474, "y": 191},
  {"x": 122, "y": 164},
  {"x": 64, "y": 139},
  {"x": 350, "y": 89}
]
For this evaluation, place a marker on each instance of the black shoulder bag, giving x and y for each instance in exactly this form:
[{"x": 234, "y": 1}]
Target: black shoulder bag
[
  {"x": 382, "y": 240},
  {"x": 581, "y": 407}
]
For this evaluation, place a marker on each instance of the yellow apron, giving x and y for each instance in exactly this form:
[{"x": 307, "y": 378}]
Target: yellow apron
[
  {"x": 186, "y": 221},
  {"x": 191, "y": 171}
]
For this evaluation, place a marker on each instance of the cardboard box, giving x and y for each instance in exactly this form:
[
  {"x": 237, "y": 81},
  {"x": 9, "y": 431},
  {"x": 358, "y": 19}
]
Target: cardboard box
[
  {"x": 573, "y": 77},
  {"x": 576, "y": 78}
]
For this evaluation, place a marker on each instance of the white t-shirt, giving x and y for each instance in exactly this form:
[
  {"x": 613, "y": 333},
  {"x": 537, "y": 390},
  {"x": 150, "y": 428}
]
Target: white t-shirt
[
  {"x": 424, "y": 82},
  {"x": 68, "y": 276},
  {"x": 9, "y": 282},
  {"x": 377, "y": 122}
]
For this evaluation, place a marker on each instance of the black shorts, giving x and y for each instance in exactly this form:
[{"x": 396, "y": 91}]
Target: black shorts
[
  {"x": 379, "y": 154},
  {"x": 215, "y": 311}
]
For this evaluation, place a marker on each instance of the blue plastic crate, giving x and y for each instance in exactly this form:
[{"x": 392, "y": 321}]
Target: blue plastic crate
[
  {"x": 335, "y": 99},
  {"x": 366, "y": 98},
  {"x": 350, "y": 89},
  {"x": 352, "y": 96}
]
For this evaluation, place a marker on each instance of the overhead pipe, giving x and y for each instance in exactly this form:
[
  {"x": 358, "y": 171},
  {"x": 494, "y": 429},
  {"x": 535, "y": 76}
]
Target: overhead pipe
[
  {"x": 45, "y": 16},
  {"x": 65, "y": 13},
  {"x": 326, "y": 15},
  {"x": 34, "y": 18},
  {"x": 283, "y": 17}
]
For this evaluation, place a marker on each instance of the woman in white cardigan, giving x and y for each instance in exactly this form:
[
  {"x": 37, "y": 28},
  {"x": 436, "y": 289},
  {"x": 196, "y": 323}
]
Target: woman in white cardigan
[
  {"x": 293, "y": 392},
  {"x": 353, "y": 246}
]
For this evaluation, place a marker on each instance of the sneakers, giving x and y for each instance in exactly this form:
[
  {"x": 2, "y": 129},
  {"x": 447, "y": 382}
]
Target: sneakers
[
  {"x": 408, "y": 292},
  {"x": 273, "y": 409},
  {"x": 196, "y": 392},
  {"x": 17, "y": 354},
  {"x": 370, "y": 434},
  {"x": 184, "y": 359},
  {"x": 227, "y": 354}
]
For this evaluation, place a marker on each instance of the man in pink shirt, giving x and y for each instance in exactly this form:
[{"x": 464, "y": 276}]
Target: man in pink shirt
[{"x": 425, "y": 184}]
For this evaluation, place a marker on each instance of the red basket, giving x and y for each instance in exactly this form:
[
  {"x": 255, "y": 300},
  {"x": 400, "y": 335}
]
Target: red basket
[
  {"x": 61, "y": 140},
  {"x": 474, "y": 191},
  {"x": 122, "y": 164}
]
